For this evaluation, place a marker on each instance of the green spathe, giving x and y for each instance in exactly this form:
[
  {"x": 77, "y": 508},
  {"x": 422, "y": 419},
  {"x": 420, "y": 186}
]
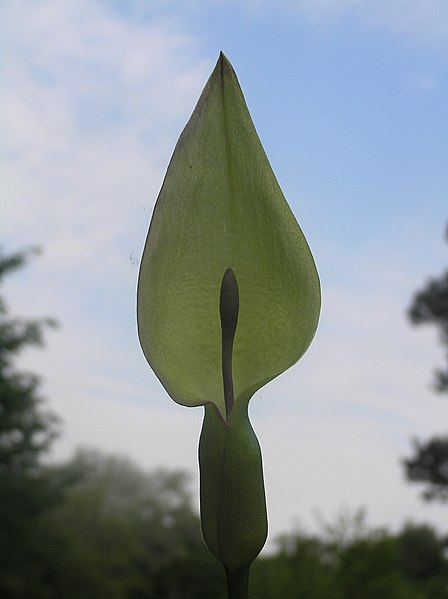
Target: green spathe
[
  {"x": 228, "y": 298},
  {"x": 220, "y": 206}
]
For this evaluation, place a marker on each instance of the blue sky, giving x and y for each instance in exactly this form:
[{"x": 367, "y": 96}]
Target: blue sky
[{"x": 349, "y": 98}]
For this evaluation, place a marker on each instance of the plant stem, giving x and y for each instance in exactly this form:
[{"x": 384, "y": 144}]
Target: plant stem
[{"x": 238, "y": 583}]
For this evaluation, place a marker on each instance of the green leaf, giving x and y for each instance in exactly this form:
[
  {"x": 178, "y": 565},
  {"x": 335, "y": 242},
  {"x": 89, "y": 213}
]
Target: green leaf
[{"x": 220, "y": 207}]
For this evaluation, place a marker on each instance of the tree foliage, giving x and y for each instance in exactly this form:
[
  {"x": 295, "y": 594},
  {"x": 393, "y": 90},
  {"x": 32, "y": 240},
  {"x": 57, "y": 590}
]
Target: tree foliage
[
  {"x": 127, "y": 533},
  {"x": 26, "y": 431},
  {"x": 430, "y": 306},
  {"x": 376, "y": 564},
  {"x": 429, "y": 463}
]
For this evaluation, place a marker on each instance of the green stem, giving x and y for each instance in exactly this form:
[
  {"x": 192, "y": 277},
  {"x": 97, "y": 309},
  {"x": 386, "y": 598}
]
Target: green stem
[{"x": 238, "y": 583}]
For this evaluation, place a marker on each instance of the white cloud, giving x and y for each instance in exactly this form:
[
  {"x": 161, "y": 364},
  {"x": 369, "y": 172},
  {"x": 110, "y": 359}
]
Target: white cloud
[
  {"x": 85, "y": 91},
  {"x": 415, "y": 17},
  {"x": 423, "y": 82},
  {"x": 419, "y": 19}
]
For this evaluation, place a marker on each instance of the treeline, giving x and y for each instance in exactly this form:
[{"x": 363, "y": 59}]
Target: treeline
[
  {"x": 372, "y": 564},
  {"x": 99, "y": 527}
]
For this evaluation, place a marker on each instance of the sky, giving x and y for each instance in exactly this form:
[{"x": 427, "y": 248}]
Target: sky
[{"x": 349, "y": 98}]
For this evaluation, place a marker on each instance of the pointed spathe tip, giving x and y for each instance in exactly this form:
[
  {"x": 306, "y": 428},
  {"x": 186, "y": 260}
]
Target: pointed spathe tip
[
  {"x": 223, "y": 56},
  {"x": 224, "y": 66},
  {"x": 223, "y": 61}
]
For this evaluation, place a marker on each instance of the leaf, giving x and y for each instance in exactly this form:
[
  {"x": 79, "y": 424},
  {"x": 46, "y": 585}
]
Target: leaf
[{"x": 221, "y": 207}]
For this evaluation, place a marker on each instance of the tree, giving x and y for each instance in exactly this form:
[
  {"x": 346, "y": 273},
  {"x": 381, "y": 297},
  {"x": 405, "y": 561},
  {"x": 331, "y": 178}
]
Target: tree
[
  {"x": 429, "y": 464},
  {"x": 126, "y": 533},
  {"x": 430, "y": 306},
  {"x": 26, "y": 431},
  {"x": 422, "y": 553},
  {"x": 350, "y": 561},
  {"x": 302, "y": 568}
]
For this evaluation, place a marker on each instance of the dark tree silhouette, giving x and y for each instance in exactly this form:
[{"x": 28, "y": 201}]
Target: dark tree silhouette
[
  {"x": 429, "y": 464},
  {"x": 430, "y": 306},
  {"x": 26, "y": 430}
]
